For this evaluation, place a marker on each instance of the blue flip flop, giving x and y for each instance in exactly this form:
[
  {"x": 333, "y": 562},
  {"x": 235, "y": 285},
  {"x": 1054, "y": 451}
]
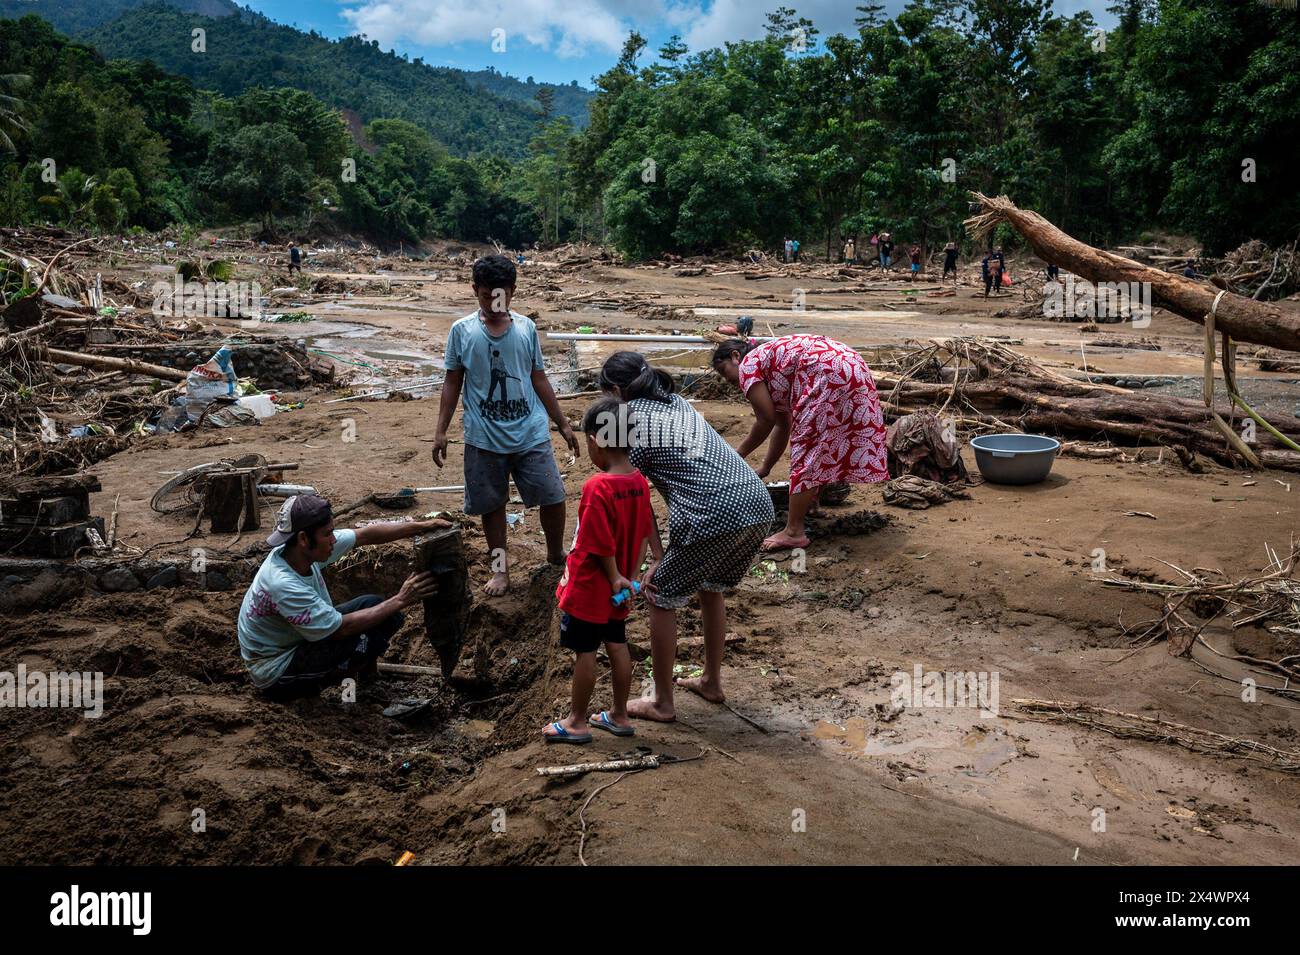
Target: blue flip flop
[
  {"x": 561, "y": 735},
  {"x": 602, "y": 720}
]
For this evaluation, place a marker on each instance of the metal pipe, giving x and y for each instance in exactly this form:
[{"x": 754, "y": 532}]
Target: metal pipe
[{"x": 594, "y": 337}]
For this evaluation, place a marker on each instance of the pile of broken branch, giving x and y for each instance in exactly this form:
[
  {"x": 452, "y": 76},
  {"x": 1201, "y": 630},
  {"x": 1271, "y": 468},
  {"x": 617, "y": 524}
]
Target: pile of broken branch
[
  {"x": 1269, "y": 599},
  {"x": 61, "y": 407},
  {"x": 985, "y": 386}
]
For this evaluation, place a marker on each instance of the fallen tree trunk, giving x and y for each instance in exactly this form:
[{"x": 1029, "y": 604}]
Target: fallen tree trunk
[
  {"x": 1246, "y": 320},
  {"x": 105, "y": 363}
]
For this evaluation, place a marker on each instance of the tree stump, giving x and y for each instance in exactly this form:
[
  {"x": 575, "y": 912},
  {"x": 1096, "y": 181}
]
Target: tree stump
[{"x": 446, "y": 613}]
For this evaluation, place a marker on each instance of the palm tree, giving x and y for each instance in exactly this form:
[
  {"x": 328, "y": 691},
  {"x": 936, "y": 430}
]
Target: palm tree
[
  {"x": 11, "y": 118},
  {"x": 74, "y": 192}
]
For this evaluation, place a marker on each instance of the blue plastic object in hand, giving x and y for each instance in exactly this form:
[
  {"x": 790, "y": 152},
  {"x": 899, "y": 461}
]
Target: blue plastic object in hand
[{"x": 625, "y": 593}]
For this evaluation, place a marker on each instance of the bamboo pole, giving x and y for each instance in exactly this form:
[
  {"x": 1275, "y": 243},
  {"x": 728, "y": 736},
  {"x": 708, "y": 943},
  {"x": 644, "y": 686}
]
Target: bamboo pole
[{"x": 103, "y": 362}]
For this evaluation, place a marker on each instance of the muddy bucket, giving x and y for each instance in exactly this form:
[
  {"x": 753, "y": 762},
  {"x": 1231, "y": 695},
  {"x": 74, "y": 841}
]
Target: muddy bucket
[{"x": 1015, "y": 458}]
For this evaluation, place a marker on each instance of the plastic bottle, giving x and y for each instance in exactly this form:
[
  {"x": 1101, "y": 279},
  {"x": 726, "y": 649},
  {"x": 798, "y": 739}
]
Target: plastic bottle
[{"x": 625, "y": 594}]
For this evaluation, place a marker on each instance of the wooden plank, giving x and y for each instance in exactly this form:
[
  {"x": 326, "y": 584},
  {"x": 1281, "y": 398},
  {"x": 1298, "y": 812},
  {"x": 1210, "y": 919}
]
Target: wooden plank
[
  {"x": 223, "y": 501},
  {"x": 252, "y": 506},
  {"x": 446, "y": 613}
]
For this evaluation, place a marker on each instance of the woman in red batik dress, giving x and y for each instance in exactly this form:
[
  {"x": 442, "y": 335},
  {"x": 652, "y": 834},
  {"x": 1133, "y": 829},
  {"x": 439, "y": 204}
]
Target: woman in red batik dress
[{"x": 818, "y": 395}]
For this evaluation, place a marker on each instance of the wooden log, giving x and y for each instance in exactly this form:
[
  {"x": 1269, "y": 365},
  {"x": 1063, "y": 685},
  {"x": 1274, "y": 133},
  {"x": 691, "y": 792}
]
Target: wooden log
[
  {"x": 105, "y": 363},
  {"x": 608, "y": 766},
  {"x": 40, "y": 540},
  {"x": 55, "y": 510},
  {"x": 446, "y": 613},
  {"x": 33, "y": 488},
  {"x": 1246, "y": 320}
]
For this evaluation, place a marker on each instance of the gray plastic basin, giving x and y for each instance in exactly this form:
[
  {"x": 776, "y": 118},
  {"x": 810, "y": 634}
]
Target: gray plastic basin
[{"x": 1015, "y": 458}]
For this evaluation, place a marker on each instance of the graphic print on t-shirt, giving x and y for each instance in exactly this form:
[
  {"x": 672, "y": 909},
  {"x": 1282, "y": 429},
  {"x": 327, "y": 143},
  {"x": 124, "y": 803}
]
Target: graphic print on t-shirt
[{"x": 502, "y": 409}]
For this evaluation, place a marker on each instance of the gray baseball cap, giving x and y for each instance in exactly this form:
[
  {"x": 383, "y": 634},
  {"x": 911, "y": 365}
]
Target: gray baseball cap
[{"x": 299, "y": 513}]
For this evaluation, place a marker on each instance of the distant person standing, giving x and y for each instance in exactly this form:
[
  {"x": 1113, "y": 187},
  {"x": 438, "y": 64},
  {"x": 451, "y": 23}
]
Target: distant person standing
[
  {"x": 950, "y": 261},
  {"x": 850, "y": 251},
  {"x": 886, "y": 249},
  {"x": 914, "y": 253},
  {"x": 295, "y": 258},
  {"x": 794, "y": 249},
  {"x": 789, "y": 250},
  {"x": 991, "y": 271}
]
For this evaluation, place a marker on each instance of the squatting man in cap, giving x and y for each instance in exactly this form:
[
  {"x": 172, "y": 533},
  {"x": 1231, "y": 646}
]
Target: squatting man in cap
[{"x": 294, "y": 640}]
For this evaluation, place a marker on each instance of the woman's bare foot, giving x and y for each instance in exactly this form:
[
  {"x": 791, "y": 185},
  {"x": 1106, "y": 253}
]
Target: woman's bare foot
[
  {"x": 650, "y": 709},
  {"x": 783, "y": 541},
  {"x": 498, "y": 585},
  {"x": 710, "y": 690}
]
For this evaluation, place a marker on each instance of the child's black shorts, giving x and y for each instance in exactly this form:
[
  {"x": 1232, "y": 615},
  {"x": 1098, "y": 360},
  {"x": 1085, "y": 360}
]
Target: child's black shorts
[{"x": 583, "y": 637}]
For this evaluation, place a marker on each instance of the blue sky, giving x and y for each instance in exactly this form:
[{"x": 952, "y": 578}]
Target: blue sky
[{"x": 560, "y": 40}]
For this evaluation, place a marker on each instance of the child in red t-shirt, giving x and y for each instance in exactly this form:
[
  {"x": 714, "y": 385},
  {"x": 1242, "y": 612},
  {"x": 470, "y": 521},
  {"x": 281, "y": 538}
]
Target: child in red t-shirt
[{"x": 615, "y": 525}]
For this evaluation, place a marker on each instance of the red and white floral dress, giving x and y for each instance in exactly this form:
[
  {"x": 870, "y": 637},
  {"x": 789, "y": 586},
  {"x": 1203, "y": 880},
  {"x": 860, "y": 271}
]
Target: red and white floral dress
[{"x": 837, "y": 432}]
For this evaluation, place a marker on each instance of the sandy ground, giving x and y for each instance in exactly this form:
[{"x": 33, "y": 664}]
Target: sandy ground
[{"x": 808, "y": 763}]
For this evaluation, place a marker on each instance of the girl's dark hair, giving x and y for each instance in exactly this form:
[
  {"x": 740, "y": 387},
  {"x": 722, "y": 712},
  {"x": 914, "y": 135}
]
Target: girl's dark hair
[
  {"x": 736, "y": 345},
  {"x": 634, "y": 377}
]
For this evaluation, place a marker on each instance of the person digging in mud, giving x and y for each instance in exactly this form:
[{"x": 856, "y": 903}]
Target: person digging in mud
[
  {"x": 506, "y": 434},
  {"x": 292, "y": 637},
  {"x": 615, "y": 526},
  {"x": 718, "y": 513},
  {"x": 819, "y": 396}
]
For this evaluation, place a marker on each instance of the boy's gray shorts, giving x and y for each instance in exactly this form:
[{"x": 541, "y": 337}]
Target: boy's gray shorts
[{"x": 488, "y": 474}]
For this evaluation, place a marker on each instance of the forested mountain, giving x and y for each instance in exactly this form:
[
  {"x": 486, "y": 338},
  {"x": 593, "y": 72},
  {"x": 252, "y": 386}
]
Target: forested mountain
[
  {"x": 111, "y": 144},
  {"x": 73, "y": 17},
  {"x": 1108, "y": 134},
  {"x": 569, "y": 100},
  {"x": 470, "y": 113}
]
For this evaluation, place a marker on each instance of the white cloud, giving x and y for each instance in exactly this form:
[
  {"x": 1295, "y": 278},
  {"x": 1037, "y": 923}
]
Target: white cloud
[
  {"x": 573, "y": 28},
  {"x": 568, "y": 27},
  {"x": 724, "y": 21}
]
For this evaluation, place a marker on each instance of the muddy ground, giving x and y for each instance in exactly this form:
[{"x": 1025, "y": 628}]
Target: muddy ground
[{"x": 808, "y": 763}]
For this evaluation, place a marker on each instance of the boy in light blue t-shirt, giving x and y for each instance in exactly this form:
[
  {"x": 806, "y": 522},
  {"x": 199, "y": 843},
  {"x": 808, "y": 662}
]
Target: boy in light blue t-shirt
[{"x": 494, "y": 360}]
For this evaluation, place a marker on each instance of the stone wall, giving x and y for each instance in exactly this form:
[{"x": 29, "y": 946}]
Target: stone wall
[{"x": 275, "y": 364}]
